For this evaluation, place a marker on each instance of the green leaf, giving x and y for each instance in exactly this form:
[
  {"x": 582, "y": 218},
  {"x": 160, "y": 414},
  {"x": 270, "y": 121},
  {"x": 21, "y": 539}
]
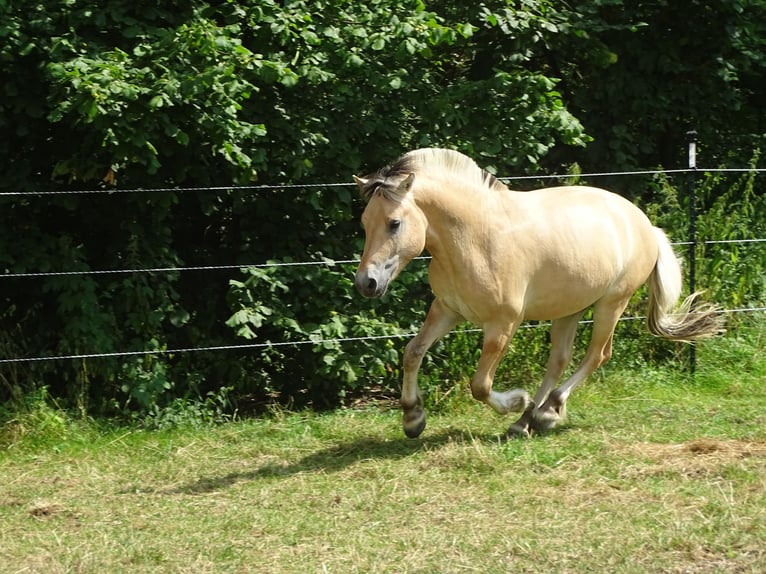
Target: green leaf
[
  {"x": 355, "y": 60},
  {"x": 289, "y": 79}
]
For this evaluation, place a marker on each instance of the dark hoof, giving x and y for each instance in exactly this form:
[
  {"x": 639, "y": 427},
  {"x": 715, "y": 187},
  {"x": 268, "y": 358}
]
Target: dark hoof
[
  {"x": 553, "y": 403},
  {"x": 551, "y": 414},
  {"x": 414, "y": 423},
  {"x": 517, "y": 431},
  {"x": 522, "y": 428}
]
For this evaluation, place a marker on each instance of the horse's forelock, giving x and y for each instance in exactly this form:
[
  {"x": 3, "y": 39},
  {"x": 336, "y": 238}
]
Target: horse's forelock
[
  {"x": 379, "y": 184},
  {"x": 371, "y": 185},
  {"x": 386, "y": 180}
]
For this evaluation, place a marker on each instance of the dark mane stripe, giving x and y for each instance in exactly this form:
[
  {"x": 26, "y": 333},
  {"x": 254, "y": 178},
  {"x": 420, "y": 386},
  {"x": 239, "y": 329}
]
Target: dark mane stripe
[{"x": 382, "y": 180}]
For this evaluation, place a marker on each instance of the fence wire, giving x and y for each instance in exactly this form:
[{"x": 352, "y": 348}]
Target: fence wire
[
  {"x": 277, "y": 264},
  {"x": 324, "y": 262},
  {"x": 292, "y": 186},
  {"x": 270, "y": 344},
  {"x": 327, "y": 262}
]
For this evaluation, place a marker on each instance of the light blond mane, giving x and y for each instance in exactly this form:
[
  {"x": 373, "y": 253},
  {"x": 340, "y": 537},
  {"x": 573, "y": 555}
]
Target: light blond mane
[{"x": 443, "y": 161}]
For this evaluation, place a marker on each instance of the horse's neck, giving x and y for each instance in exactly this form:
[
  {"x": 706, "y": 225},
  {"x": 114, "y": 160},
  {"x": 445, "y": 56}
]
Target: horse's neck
[{"x": 462, "y": 226}]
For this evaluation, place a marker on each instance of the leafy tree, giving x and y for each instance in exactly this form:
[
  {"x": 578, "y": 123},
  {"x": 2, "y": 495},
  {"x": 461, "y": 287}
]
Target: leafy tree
[
  {"x": 115, "y": 95},
  {"x": 640, "y": 75},
  {"x": 186, "y": 94}
]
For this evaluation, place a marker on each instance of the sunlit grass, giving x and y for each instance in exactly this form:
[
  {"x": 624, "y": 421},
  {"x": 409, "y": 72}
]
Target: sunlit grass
[{"x": 654, "y": 472}]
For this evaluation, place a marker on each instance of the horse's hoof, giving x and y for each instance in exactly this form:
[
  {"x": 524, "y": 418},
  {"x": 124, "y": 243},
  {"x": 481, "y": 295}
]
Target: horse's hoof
[
  {"x": 545, "y": 421},
  {"x": 516, "y": 400},
  {"x": 552, "y": 413},
  {"x": 517, "y": 431},
  {"x": 414, "y": 423}
]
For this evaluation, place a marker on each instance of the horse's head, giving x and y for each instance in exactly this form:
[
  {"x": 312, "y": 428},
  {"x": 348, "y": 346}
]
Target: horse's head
[{"x": 394, "y": 227}]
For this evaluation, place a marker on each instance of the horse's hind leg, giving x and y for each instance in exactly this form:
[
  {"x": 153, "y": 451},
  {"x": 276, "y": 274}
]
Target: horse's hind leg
[
  {"x": 438, "y": 323},
  {"x": 563, "y": 332},
  {"x": 606, "y": 313}
]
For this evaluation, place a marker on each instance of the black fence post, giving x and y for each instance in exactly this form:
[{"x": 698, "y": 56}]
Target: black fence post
[{"x": 691, "y": 138}]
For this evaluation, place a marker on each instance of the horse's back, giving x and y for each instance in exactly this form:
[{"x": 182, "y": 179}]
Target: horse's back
[
  {"x": 578, "y": 199},
  {"x": 587, "y": 241},
  {"x": 577, "y": 217}
]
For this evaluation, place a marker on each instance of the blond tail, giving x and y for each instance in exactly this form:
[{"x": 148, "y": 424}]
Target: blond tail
[{"x": 690, "y": 320}]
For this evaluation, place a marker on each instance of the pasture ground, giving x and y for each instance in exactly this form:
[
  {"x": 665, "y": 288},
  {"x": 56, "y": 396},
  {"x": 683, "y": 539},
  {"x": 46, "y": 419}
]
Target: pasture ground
[{"x": 654, "y": 472}]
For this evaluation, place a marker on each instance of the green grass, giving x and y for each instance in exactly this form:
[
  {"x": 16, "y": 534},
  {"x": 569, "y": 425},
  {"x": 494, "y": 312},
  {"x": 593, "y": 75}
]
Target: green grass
[{"x": 654, "y": 472}]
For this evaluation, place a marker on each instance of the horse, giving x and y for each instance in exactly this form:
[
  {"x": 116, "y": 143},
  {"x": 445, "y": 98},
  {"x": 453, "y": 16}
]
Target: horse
[{"x": 500, "y": 257}]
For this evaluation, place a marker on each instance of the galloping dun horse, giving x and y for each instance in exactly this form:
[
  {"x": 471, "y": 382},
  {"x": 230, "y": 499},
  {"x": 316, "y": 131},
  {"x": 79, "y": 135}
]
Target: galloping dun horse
[{"x": 500, "y": 257}]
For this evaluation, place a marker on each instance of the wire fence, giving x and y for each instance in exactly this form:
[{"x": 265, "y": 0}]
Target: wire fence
[
  {"x": 267, "y": 345},
  {"x": 277, "y": 264},
  {"x": 323, "y": 262},
  {"x": 293, "y": 186}
]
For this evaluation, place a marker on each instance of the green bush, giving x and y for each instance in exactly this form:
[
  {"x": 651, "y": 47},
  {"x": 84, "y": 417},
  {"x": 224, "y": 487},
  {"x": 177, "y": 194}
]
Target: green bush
[
  {"x": 117, "y": 95},
  {"x": 319, "y": 304}
]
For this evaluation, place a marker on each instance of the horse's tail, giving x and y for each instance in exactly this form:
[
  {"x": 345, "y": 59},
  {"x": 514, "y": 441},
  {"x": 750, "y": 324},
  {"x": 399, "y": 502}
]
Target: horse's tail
[{"x": 690, "y": 320}]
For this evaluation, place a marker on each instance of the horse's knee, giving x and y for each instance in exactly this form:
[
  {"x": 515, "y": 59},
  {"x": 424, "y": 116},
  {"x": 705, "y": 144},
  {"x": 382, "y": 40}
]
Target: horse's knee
[
  {"x": 480, "y": 390},
  {"x": 413, "y": 355}
]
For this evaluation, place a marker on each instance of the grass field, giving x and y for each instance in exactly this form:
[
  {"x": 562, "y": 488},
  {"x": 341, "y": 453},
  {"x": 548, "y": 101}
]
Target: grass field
[{"x": 654, "y": 472}]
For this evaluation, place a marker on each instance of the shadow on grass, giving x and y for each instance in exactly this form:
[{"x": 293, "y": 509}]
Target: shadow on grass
[{"x": 333, "y": 459}]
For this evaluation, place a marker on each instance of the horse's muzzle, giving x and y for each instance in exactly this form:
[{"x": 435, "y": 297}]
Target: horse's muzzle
[
  {"x": 372, "y": 280},
  {"x": 370, "y": 284}
]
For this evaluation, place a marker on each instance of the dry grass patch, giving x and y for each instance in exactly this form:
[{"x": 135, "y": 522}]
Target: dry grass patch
[{"x": 698, "y": 457}]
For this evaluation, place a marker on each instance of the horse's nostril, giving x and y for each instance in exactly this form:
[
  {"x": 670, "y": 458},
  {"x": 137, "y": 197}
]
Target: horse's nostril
[{"x": 372, "y": 284}]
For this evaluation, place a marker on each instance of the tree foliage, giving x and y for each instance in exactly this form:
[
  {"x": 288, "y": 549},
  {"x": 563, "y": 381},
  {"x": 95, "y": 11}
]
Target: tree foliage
[
  {"x": 640, "y": 75},
  {"x": 118, "y": 95}
]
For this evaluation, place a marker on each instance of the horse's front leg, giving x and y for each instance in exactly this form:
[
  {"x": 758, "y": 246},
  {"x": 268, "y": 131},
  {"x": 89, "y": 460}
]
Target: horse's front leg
[
  {"x": 438, "y": 323},
  {"x": 496, "y": 340}
]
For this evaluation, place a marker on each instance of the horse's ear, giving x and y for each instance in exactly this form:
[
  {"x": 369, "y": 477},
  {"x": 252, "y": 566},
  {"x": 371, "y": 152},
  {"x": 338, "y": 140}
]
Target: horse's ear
[
  {"x": 361, "y": 182},
  {"x": 406, "y": 184}
]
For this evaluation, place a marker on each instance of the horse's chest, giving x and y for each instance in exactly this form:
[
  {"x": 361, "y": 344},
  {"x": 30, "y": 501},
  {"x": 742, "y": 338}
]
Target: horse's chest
[{"x": 471, "y": 296}]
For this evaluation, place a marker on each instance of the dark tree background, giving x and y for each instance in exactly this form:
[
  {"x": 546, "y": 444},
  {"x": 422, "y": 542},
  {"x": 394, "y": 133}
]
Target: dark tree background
[{"x": 118, "y": 95}]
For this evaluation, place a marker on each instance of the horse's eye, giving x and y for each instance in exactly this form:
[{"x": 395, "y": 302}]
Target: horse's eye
[{"x": 394, "y": 225}]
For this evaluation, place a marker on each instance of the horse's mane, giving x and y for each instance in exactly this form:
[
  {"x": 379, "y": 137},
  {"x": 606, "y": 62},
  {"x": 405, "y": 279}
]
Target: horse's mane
[{"x": 387, "y": 179}]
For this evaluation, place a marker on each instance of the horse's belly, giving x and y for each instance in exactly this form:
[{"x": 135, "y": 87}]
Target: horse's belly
[
  {"x": 562, "y": 290},
  {"x": 546, "y": 303},
  {"x": 555, "y": 291}
]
